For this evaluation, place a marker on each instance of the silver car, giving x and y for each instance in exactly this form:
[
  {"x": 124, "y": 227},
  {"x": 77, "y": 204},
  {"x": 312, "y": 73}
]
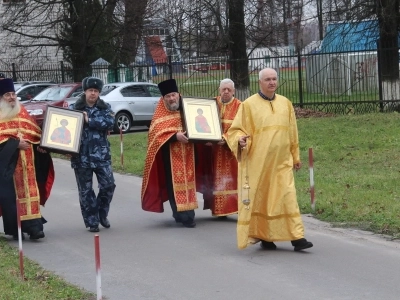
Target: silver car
[
  {"x": 29, "y": 90},
  {"x": 132, "y": 102}
]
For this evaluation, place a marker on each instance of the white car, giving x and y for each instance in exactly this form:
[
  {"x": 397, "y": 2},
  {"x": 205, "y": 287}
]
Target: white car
[{"x": 132, "y": 102}]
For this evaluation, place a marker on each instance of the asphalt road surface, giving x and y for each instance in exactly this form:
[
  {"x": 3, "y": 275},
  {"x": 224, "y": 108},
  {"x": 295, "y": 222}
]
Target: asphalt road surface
[{"x": 148, "y": 256}]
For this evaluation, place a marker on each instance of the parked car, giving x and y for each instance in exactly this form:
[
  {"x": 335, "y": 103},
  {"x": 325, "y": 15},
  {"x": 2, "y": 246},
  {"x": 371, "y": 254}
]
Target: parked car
[
  {"x": 55, "y": 96},
  {"x": 132, "y": 102},
  {"x": 72, "y": 100},
  {"x": 17, "y": 85},
  {"x": 29, "y": 90}
]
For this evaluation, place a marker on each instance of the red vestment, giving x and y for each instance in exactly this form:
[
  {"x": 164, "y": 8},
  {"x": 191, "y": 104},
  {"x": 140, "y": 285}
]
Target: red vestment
[
  {"x": 219, "y": 175},
  {"x": 29, "y": 191},
  {"x": 164, "y": 125}
]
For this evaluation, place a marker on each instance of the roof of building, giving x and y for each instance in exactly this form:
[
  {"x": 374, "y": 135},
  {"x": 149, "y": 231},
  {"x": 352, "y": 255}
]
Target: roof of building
[
  {"x": 156, "y": 49},
  {"x": 350, "y": 36}
]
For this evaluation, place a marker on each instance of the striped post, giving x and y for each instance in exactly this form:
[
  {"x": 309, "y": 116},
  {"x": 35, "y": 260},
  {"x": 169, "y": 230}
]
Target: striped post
[
  {"x": 98, "y": 269},
  {"x": 21, "y": 252},
  {"x": 311, "y": 167},
  {"x": 122, "y": 148}
]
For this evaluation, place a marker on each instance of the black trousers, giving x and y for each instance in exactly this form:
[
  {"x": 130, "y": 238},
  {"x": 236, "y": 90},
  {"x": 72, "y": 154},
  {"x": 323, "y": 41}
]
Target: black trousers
[{"x": 8, "y": 205}]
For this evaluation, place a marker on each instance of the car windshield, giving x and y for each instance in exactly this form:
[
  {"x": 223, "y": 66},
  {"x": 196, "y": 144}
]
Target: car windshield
[
  {"x": 17, "y": 86},
  {"x": 53, "y": 93},
  {"x": 107, "y": 89}
]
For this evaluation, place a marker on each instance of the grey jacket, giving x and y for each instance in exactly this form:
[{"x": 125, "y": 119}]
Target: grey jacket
[{"x": 94, "y": 149}]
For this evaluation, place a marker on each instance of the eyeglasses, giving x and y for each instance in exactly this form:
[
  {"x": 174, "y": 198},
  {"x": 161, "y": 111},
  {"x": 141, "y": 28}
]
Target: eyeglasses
[{"x": 10, "y": 95}]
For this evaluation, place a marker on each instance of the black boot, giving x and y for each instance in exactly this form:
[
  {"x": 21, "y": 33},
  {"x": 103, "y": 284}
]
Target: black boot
[
  {"x": 36, "y": 235},
  {"x": 301, "y": 244},
  {"x": 268, "y": 245},
  {"x": 189, "y": 224},
  {"x": 104, "y": 222}
]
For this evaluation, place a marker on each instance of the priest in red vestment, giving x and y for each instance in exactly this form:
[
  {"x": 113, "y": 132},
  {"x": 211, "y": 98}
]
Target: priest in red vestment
[
  {"x": 26, "y": 171},
  {"x": 169, "y": 172},
  {"x": 218, "y": 167}
]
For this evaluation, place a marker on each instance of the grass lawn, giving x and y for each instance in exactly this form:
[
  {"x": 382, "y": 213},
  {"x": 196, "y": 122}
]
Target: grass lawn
[
  {"x": 38, "y": 284},
  {"x": 356, "y": 171}
]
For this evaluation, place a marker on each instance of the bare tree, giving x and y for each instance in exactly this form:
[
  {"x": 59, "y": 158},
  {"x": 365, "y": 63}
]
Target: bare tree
[
  {"x": 132, "y": 29},
  {"x": 84, "y": 30}
]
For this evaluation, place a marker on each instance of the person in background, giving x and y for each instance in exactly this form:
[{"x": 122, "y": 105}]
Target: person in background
[
  {"x": 217, "y": 166},
  {"x": 264, "y": 138},
  {"x": 94, "y": 156},
  {"x": 169, "y": 172},
  {"x": 26, "y": 170}
]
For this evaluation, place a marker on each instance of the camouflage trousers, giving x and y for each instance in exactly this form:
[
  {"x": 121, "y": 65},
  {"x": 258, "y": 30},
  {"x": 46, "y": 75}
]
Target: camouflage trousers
[{"x": 92, "y": 206}]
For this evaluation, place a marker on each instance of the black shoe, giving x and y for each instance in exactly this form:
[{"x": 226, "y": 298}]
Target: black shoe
[
  {"x": 104, "y": 222},
  {"x": 94, "y": 229},
  {"x": 190, "y": 224},
  {"x": 301, "y": 244},
  {"x": 268, "y": 245},
  {"x": 221, "y": 218},
  {"x": 36, "y": 235},
  {"x": 15, "y": 237}
]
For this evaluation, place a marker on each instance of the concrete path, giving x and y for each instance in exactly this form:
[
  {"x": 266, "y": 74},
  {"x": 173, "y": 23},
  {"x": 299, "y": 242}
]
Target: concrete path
[{"x": 148, "y": 256}]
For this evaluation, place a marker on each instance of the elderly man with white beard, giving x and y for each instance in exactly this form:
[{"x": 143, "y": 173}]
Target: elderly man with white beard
[{"x": 26, "y": 171}]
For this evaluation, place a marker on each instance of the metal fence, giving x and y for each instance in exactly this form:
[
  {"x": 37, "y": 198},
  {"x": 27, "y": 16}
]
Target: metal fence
[{"x": 339, "y": 83}]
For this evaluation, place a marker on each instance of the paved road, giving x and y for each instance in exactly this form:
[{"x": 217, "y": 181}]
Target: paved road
[{"x": 148, "y": 256}]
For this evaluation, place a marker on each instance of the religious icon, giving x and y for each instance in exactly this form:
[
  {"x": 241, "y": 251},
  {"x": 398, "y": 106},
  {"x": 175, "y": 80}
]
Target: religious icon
[
  {"x": 201, "y": 123},
  {"x": 61, "y": 134},
  {"x": 201, "y": 120},
  {"x": 62, "y": 130}
]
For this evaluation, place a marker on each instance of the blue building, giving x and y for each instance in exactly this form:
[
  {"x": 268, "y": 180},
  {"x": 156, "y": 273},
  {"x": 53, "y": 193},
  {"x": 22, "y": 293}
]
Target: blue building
[{"x": 347, "y": 60}]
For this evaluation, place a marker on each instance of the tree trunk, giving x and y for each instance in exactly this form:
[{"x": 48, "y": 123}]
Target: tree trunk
[
  {"x": 320, "y": 21},
  {"x": 237, "y": 49},
  {"x": 388, "y": 16},
  {"x": 132, "y": 29},
  {"x": 78, "y": 42}
]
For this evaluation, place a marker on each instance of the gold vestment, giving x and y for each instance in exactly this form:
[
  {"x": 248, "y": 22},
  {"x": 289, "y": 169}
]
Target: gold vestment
[{"x": 271, "y": 151}]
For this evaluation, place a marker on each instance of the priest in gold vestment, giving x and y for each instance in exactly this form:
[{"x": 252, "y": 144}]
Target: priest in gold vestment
[{"x": 264, "y": 138}]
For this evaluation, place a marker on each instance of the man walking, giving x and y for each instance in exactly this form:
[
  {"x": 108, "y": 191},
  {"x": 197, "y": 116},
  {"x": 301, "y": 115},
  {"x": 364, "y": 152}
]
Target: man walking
[
  {"x": 217, "y": 162},
  {"x": 264, "y": 138},
  {"x": 26, "y": 171},
  {"x": 169, "y": 172},
  {"x": 94, "y": 156}
]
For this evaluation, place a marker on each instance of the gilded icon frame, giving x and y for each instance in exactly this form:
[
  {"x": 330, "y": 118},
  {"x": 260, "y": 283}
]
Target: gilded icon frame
[
  {"x": 201, "y": 120},
  {"x": 62, "y": 130}
]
